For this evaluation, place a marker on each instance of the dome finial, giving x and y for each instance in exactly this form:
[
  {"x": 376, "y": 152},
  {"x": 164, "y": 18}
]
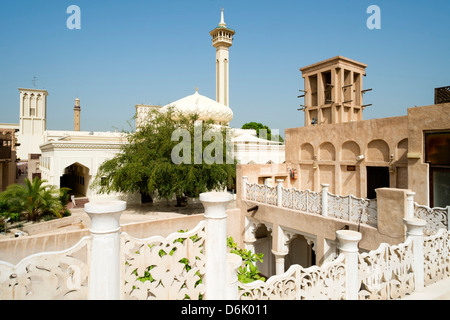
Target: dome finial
[{"x": 222, "y": 20}]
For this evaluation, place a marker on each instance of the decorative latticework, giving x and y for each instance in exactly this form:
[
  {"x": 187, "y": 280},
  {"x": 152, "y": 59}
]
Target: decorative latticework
[
  {"x": 48, "y": 276},
  {"x": 387, "y": 273},
  {"x": 261, "y": 193},
  {"x": 349, "y": 208},
  {"x": 436, "y": 218},
  {"x": 302, "y": 200},
  {"x": 442, "y": 95},
  {"x": 436, "y": 257},
  {"x": 297, "y": 283},
  {"x": 161, "y": 268}
]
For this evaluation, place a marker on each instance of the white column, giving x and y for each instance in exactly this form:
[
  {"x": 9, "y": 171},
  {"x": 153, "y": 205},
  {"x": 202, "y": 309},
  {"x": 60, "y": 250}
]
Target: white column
[
  {"x": 279, "y": 262},
  {"x": 215, "y": 204},
  {"x": 325, "y": 188},
  {"x": 415, "y": 231},
  {"x": 410, "y": 199},
  {"x": 284, "y": 238},
  {"x": 280, "y": 192},
  {"x": 105, "y": 272},
  {"x": 249, "y": 234},
  {"x": 348, "y": 245}
]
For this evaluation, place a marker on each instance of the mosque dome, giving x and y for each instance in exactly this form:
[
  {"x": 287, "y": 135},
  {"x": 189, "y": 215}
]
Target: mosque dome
[{"x": 204, "y": 107}]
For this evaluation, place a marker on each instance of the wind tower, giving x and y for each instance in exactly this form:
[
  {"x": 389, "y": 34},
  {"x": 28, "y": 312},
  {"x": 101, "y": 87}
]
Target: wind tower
[
  {"x": 222, "y": 40},
  {"x": 33, "y": 121},
  {"x": 333, "y": 91}
]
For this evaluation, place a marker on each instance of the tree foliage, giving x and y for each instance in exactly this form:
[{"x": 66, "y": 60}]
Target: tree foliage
[
  {"x": 33, "y": 199},
  {"x": 145, "y": 164}
]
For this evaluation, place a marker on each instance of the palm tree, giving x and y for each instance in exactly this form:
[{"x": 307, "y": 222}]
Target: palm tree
[{"x": 33, "y": 199}]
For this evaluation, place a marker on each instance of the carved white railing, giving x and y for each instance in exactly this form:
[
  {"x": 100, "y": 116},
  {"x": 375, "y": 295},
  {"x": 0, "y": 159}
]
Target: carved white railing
[
  {"x": 298, "y": 283},
  {"x": 302, "y": 200},
  {"x": 387, "y": 272},
  {"x": 48, "y": 276},
  {"x": 261, "y": 193},
  {"x": 177, "y": 266},
  {"x": 436, "y": 218},
  {"x": 161, "y": 268},
  {"x": 437, "y": 256},
  {"x": 349, "y": 208}
]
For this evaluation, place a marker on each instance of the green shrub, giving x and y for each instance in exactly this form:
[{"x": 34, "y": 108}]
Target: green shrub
[{"x": 249, "y": 271}]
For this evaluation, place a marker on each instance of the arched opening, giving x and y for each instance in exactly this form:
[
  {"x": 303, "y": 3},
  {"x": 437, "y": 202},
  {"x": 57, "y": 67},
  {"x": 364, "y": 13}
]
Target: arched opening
[
  {"x": 300, "y": 252},
  {"x": 263, "y": 245},
  {"x": 76, "y": 177}
]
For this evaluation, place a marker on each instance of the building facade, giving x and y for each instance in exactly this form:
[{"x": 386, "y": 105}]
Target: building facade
[
  {"x": 355, "y": 156},
  {"x": 379, "y": 165},
  {"x": 8, "y": 159}
]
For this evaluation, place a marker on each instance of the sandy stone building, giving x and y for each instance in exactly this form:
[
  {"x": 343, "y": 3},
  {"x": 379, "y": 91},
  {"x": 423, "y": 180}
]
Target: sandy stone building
[
  {"x": 355, "y": 156},
  {"x": 8, "y": 171},
  {"x": 345, "y": 172}
]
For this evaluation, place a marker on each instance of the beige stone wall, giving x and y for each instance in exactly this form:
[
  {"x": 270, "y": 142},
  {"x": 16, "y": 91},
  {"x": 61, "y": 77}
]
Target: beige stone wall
[
  {"x": 420, "y": 120},
  {"x": 15, "y": 249},
  {"x": 322, "y": 153}
]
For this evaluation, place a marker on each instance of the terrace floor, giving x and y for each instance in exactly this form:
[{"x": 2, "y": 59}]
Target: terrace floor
[{"x": 436, "y": 291}]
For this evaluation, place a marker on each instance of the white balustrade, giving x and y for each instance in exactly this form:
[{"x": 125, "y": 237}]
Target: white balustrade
[{"x": 349, "y": 208}]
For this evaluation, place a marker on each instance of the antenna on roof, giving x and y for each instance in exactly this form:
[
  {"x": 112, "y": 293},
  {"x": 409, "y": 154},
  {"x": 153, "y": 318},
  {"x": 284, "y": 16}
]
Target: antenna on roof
[{"x": 34, "y": 81}]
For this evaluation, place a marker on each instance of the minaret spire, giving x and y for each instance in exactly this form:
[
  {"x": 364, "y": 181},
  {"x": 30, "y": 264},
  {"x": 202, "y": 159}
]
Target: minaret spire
[{"x": 222, "y": 20}]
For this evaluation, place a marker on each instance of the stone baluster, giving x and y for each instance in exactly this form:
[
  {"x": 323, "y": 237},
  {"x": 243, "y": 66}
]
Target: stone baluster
[
  {"x": 216, "y": 277},
  {"x": 410, "y": 199},
  {"x": 348, "y": 245},
  {"x": 325, "y": 188},
  {"x": 244, "y": 187},
  {"x": 415, "y": 231},
  {"x": 280, "y": 192},
  {"x": 105, "y": 271}
]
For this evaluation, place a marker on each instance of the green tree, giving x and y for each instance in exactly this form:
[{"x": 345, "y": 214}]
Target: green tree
[
  {"x": 259, "y": 126},
  {"x": 32, "y": 199},
  {"x": 146, "y": 163}
]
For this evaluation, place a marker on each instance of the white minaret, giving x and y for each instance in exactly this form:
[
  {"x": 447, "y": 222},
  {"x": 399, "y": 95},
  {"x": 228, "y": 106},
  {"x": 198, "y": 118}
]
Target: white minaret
[{"x": 222, "y": 40}]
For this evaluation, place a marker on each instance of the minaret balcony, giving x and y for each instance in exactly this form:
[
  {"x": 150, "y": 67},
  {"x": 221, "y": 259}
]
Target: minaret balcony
[{"x": 222, "y": 41}]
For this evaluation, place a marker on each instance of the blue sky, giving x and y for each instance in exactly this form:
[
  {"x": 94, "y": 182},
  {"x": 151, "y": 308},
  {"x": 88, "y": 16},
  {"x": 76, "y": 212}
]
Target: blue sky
[{"x": 156, "y": 52}]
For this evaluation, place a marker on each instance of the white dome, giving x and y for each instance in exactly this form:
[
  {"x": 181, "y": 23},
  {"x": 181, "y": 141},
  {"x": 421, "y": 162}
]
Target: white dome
[{"x": 206, "y": 108}]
